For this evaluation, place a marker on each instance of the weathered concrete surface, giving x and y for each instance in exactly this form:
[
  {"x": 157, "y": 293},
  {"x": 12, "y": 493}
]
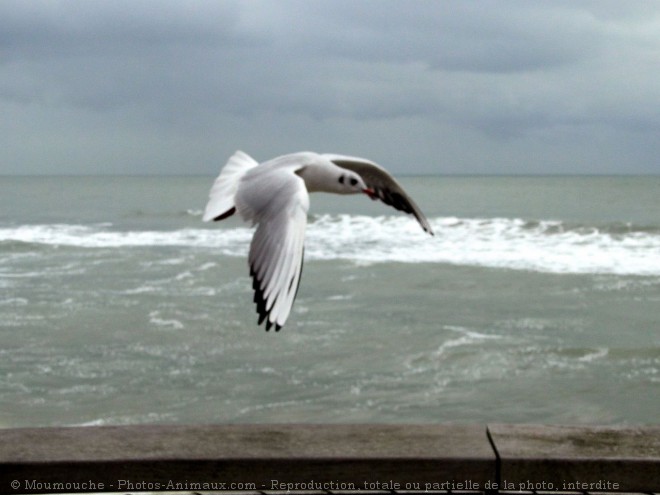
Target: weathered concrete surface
[
  {"x": 519, "y": 458},
  {"x": 245, "y": 454},
  {"x": 597, "y": 458}
]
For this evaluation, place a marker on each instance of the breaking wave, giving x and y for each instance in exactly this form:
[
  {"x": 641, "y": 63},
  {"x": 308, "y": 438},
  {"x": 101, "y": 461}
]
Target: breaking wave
[{"x": 543, "y": 245}]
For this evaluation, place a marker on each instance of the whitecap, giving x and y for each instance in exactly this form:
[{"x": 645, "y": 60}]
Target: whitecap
[
  {"x": 467, "y": 337},
  {"x": 340, "y": 297},
  {"x": 550, "y": 246},
  {"x": 14, "y": 301},
  {"x": 155, "y": 319},
  {"x": 592, "y": 356},
  {"x": 141, "y": 290}
]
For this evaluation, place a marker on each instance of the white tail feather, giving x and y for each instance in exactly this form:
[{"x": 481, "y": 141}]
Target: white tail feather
[{"x": 221, "y": 197}]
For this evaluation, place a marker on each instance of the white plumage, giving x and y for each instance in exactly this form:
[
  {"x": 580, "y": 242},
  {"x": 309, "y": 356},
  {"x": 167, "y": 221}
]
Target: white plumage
[{"x": 274, "y": 196}]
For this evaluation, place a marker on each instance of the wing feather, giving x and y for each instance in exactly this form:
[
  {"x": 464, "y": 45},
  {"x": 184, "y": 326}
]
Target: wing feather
[
  {"x": 384, "y": 186},
  {"x": 276, "y": 251},
  {"x": 221, "y": 196}
]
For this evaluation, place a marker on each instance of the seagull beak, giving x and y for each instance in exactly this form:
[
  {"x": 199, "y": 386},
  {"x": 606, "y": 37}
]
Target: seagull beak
[{"x": 369, "y": 192}]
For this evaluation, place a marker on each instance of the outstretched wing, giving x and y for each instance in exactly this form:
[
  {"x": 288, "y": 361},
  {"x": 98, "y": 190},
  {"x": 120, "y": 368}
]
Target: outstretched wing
[
  {"x": 221, "y": 197},
  {"x": 276, "y": 251},
  {"x": 384, "y": 186}
]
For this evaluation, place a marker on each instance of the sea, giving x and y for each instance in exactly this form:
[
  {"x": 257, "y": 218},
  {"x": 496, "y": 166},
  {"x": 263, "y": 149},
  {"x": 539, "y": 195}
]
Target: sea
[{"x": 537, "y": 301}]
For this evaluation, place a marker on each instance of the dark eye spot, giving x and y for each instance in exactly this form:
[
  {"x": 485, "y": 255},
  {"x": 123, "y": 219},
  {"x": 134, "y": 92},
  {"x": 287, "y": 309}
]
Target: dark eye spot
[
  {"x": 341, "y": 179},
  {"x": 353, "y": 181}
]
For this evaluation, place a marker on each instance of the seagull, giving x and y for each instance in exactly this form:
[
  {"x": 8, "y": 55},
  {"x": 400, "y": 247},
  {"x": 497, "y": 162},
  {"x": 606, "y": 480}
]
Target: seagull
[{"x": 274, "y": 196}]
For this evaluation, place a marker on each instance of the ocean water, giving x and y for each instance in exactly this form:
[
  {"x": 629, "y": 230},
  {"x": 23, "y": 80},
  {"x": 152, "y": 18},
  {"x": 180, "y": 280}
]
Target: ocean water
[{"x": 537, "y": 301}]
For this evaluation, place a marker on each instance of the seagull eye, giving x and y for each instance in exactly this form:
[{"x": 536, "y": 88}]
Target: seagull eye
[
  {"x": 341, "y": 179},
  {"x": 353, "y": 181}
]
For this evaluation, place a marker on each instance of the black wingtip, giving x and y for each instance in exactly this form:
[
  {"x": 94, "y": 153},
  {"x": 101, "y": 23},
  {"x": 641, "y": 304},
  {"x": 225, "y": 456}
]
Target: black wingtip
[
  {"x": 270, "y": 324},
  {"x": 260, "y": 301},
  {"x": 226, "y": 214}
]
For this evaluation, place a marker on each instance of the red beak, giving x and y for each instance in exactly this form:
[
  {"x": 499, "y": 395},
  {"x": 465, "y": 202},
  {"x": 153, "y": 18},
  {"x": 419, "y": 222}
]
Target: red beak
[{"x": 370, "y": 192}]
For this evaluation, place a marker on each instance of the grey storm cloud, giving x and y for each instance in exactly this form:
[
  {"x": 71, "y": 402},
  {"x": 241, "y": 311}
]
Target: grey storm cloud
[{"x": 459, "y": 86}]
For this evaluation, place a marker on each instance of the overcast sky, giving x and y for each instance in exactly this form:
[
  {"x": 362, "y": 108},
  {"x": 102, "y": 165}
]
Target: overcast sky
[{"x": 471, "y": 87}]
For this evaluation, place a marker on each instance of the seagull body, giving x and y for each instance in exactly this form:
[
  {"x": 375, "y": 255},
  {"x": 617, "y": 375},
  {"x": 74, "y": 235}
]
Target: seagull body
[{"x": 274, "y": 196}]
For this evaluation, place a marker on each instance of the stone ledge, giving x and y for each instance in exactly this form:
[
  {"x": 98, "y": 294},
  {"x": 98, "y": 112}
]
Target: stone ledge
[
  {"x": 329, "y": 458},
  {"x": 578, "y": 458}
]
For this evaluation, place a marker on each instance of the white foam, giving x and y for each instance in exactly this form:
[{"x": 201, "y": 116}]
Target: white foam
[
  {"x": 155, "y": 319},
  {"x": 14, "y": 301},
  {"x": 99, "y": 237},
  {"x": 592, "y": 356},
  {"x": 467, "y": 337},
  {"x": 545, "y": 246}
]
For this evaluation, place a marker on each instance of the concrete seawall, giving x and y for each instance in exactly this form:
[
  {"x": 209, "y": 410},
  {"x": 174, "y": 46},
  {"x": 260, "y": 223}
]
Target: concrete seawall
[{"x": 330, "y": 458}]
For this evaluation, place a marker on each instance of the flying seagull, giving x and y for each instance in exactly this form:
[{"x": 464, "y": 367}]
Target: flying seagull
[{"x": 274, "y": 196}]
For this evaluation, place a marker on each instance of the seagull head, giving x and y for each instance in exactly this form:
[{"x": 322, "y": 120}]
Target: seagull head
[
  {"x": 351, "y": 183},
  {"x": 321, "y": 174}
]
